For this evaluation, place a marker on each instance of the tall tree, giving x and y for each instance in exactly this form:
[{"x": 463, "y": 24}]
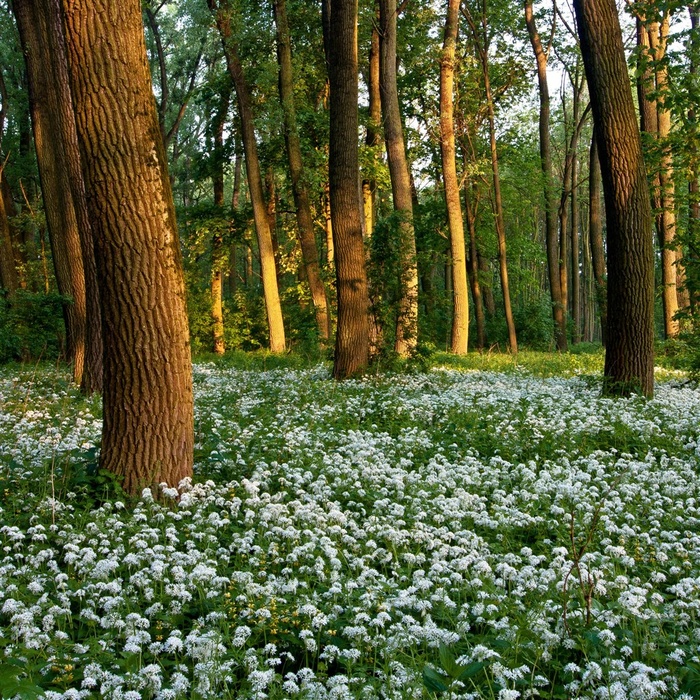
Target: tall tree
[
  {"x": 407, "y": 321},
  {"x": 65, "y": 118},
  {"x": 460, "y": 293},
  {"x": 551, "y": 241},
  {"x": 148, "y": 431},
  {"x": 482, "y": 40},
  {"x": 655, "y": 118},
  {"x": 217, "y": 242},
  {"x": 44, "y": 103},
  {"x": 9, "y": 279},
  {"x": 373, "y": 137},
  {"x": 273, "y": 307},
  {"x": 595, "y": 233},
  {"x": 352, "y": 335},
  {"x": 629, "y": 356},
  {"x": 305, "y": 225}
]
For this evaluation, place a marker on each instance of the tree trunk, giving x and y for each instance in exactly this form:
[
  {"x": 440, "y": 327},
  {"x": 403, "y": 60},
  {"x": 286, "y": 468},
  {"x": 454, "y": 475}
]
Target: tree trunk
[
  {"x": 595, "y": 232},
  {"x": 498, "y": 208},
  {"x": 148, "y": 431},
  {"x": 575, "y": 274},
  {"x": 656, "y": 122},
  {"x": 255, "y": 187},
  {"x": 694, "y": 170},
  {"x": 352, "y": 336},
  {"x": 551, "y": 239},
  {"x": 44, "y": 104},
  {"x": 629, "y": 357},
  {"x": 373, "y": 138},
  {"x": 305, "y": 225},
  {"x": 9, "y": 279},
  {"x": 473, "y": 267},
  {"x": 92, "y": 374},
  {"x": 460, "y": 293},
  {"x": 217, "y": 275},
  {"x": 407, "y": 321}
]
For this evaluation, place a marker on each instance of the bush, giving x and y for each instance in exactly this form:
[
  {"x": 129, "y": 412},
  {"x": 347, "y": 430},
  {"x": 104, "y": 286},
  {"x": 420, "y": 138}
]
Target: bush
[{"x": 31, "y": 326}]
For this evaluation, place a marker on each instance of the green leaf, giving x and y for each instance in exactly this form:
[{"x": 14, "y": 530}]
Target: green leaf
[
  {"x": 471, "y": 670},
  {"x": 433, "y": 681},
  {"x": 448, "y": 663}
]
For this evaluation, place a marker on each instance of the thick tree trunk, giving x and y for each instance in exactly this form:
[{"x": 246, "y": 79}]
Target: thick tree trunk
[
  {"x": 352, "y": 336},
  {"x": 595, "y": 232},
  {"x": 305, "y": 225},
  {"x": 460, "y": 293},
  {"x": 255, "y": 187},
  {"x": 552, "y": 243},
  {"x": 148, "y": 429},
  {"x": 44, "y": 104},
  {"x": 407, "y": 321},
  {"x": 629, "y": 357}
]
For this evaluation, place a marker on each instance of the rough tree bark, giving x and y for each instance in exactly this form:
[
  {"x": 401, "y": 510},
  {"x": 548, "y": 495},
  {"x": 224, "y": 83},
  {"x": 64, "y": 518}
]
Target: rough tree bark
[
  {"x": 44, "y": 105},
  {"x": 460, "y": 292},
  {"x": 629, "y": 356},
  {"x": 352, "y": 335},
  {"x": 148, "y": 431},
  {"x": 262, "y": 227},
  {"x": 92, "y": 374}
]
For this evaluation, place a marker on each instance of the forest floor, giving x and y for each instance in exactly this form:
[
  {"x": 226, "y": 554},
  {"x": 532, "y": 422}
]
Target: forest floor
[{"x": 493, "y": 531}]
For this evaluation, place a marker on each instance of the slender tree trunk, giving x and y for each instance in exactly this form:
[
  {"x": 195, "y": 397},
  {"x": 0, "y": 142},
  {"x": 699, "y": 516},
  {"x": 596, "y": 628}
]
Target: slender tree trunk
[
  {"x": 498, "y": 208},
  {"x": 575, "y": 273},
  {"x": 595, "y": 231},
  {"x": 217, "y": 275},
  {"x": 255, "y": 187},
  {"x": 9, "y": 279},
  {"x": 352, "y": 336},
  {"x": 44, "y": 103},
  {"x": 694, "y": 170},
  {"x": 373, "y": 138},
  {"x": 552, "y": 243},
  {"x": 407, "y": 322},
  {"x": 305, "y": 225},
  {"x": 473, "y": 266},
  {"x": 656, "y": 122},
  {"x": 629, "y": 357},
  {"x": 460, "y": 293},
  {"x": 148, "y": 431}
]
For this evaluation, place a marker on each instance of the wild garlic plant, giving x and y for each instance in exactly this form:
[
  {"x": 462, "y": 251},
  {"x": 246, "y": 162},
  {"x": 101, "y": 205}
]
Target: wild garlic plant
[{"x": 451, "y": 534}]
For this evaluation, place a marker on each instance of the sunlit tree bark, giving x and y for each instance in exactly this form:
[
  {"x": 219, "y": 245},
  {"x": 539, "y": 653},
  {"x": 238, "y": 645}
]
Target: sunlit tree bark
[{"x": 148, "y": 431}]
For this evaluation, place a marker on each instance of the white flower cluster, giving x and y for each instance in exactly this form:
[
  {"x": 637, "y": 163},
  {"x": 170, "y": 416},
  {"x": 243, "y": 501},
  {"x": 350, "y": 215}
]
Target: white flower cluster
[{"x": 338, "y": 539}]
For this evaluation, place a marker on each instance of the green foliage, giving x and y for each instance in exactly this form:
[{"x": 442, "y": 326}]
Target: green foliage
[{"x": 31, "y": 326}]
